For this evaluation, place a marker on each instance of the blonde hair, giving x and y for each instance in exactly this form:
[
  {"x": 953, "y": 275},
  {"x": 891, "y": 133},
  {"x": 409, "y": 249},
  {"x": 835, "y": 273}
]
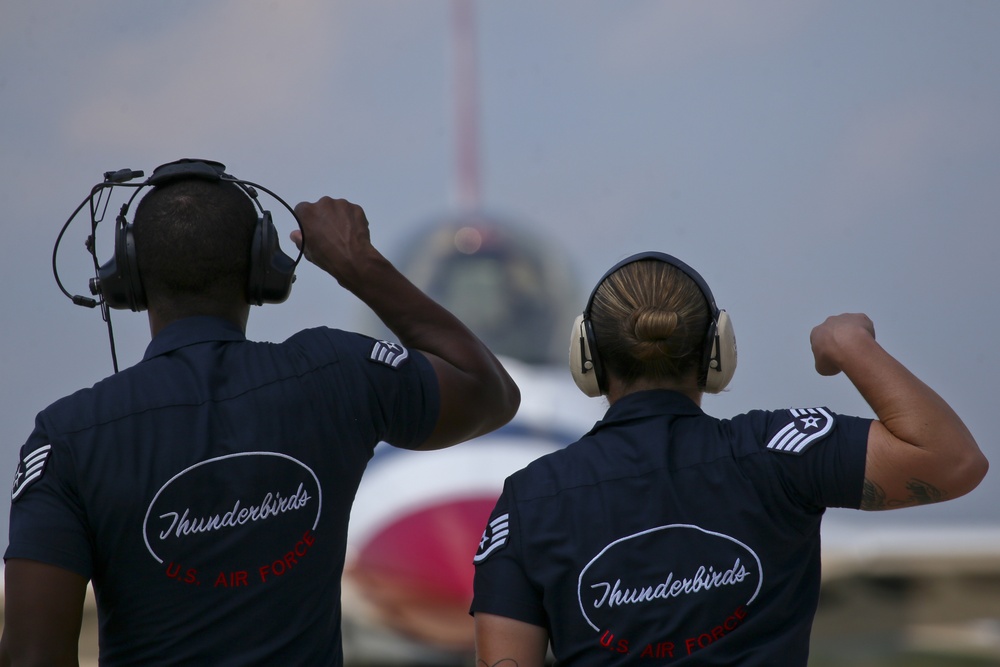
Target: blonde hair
[{"x": 650, "y": 321}]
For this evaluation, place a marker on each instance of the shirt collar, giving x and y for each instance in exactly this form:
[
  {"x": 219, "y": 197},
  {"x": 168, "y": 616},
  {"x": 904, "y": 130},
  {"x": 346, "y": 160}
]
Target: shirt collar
[
  {"x": 191, "y": 331},
  {"x": 644, "y": 404}
]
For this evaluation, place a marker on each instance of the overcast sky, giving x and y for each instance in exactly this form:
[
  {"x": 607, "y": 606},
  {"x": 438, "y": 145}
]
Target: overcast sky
[{"x": 809, "y": 158}]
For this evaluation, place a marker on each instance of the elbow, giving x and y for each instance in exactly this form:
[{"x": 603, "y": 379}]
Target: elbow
[
  {"x": 973, "y": 471},
  {"x": 504, "y": 403},
  {"x": 511, "y": 402},
  {"x": 473, "y": 410},
  {"x": 504, "y": 400},
  {"x": 966, "y": 473}
]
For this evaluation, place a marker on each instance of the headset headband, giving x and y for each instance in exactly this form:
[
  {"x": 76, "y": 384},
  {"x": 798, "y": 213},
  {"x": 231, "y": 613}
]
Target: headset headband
[
  {"x": 666, "y": 259},
  {"x": 186, "y": 168}
]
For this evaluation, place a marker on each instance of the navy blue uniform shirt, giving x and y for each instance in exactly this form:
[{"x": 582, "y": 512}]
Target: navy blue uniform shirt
[
  {"x": 666, "y": 536},
  {"x": 206, "y": 490}
]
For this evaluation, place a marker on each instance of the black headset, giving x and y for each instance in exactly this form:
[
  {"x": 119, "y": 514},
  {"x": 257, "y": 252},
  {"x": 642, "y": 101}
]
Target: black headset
[
  {"x": 718, "y": 358},
  {"x": 117, "y": 282},
  {"x": 272, "y": 272}
]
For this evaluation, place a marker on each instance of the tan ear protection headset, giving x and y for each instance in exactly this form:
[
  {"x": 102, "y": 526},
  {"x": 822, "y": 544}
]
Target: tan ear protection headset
[{"x": 718, "y": 360}]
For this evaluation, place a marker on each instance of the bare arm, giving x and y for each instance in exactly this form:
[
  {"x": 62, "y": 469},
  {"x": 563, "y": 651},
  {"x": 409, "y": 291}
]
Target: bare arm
[
  {"x": 43, "y": 610},
  {"x": 477, "y": 394},
  {"x": 505, "y": 642},
  {"x": 919, "y": 450}
]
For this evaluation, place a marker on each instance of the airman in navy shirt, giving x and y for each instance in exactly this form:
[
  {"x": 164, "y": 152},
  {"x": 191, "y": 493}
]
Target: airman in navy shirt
[
  {"x": 206, "y": 490},
  {"x": 666, "y": 536}
]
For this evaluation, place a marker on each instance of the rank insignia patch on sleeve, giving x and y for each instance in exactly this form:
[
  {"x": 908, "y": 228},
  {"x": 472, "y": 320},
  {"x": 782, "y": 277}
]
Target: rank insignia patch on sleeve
[
  {"x": 806, "y": 427},
  {"x": 494, "y": 537},
  {"x": 29, "y": 470},
  {"x": 390, "y": 354}
]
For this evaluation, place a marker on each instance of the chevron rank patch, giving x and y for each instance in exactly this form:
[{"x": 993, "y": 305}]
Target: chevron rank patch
[
  {"x": 494, "y": 537},
  {"x": 29, "y": 470},
  {"x": 805, "y": 427},
  {"x": 389, "y": 354}
]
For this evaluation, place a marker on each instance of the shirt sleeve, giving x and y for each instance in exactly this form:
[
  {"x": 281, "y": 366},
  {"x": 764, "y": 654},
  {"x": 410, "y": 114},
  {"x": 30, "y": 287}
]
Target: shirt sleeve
[
  {"x": 47, "y": 523},
  {"x": 405, "y": 387},
  {"x": 825, "y": 471},
  {"x": 501, "y": 585},
  {"x": 384, "y": 382}
]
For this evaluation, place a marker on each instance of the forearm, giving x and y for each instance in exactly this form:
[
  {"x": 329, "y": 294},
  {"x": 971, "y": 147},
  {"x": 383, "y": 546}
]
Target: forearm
[
  {"x": 43, "y": 612},
  {"x": 417, "y": 321},
  {"x": 505, "y": 642},
  {"x": 908, "y": 408},
  {"x": 469, "y": 374},
  {"x": 921, "y": 450}
]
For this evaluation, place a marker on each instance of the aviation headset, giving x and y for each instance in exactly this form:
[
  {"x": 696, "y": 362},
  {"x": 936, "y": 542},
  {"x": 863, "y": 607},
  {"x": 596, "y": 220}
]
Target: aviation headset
[
  {"x": 718, "y": 361},
  {"x": 118, "y": 284}
]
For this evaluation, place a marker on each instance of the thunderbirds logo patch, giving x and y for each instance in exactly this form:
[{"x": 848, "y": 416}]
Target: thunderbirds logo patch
[
  {"x": 29, "y": 470},
  {"x": 494, "y": 537},
  {"x": 390, "y": 354},
  {"x": 806, "y": 427}
]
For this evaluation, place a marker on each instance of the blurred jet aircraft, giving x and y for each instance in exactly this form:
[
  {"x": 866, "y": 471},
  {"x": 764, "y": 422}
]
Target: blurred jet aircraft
[{"x": 418, "y": 516}]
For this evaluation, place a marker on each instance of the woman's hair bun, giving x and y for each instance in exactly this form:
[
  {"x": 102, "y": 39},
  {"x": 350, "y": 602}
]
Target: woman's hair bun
[{"x": 652, "y": 329}]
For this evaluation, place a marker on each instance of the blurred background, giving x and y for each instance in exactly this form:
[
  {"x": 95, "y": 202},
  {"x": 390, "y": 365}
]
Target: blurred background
[{"x": 808, "y": 157}]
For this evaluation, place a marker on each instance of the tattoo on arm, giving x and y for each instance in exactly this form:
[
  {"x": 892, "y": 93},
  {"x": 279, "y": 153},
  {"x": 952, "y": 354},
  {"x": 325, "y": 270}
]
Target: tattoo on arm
[
  {"x": 504, "y": 662},
  {"x": 923, "y": 493},
  {"x": 874, "y": 497}
]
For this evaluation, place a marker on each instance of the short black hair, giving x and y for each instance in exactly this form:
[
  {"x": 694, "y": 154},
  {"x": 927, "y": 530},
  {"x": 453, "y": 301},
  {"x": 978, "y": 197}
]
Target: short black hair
[{"x": 192, "y": 241}]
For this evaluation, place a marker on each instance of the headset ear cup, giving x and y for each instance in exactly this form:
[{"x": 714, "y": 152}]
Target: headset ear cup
[
  {"x": 255, "y": 280},
  {"x": 118, "y": 280},
  {"x": 581, "y": 365},
  {"x": 137, "y": 294},
  {"x": 272, "y": 272},
  {"x": 722, "y": 362}
]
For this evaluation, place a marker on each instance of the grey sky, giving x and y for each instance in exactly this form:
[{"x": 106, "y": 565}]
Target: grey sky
[{"x": 809, "y": 158}]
